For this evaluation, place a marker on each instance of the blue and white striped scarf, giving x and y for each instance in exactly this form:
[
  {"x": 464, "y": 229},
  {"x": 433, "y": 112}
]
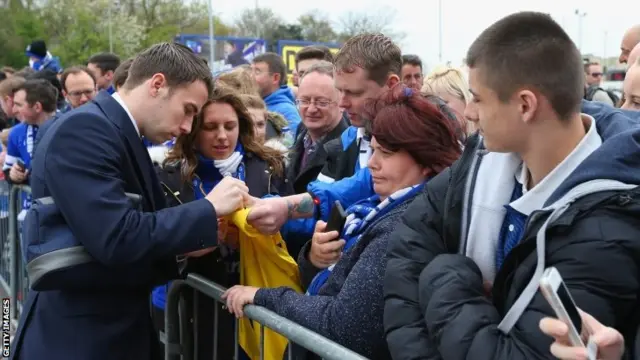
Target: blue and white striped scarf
[{"x": 359, "y": 216}]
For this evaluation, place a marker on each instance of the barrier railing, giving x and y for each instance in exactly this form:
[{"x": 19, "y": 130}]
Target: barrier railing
[
  {"x": 180, "y": 338},
  {"x": 13, "y": 278},
  {"x": 176, "y": 348}
]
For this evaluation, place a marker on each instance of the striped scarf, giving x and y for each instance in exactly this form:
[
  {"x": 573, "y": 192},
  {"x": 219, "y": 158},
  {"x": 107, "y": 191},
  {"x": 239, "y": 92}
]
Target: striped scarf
[{"x": 359, "y": 216}]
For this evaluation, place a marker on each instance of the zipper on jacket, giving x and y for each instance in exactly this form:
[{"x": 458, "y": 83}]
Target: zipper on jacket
[{"x": 468, "y": 197}]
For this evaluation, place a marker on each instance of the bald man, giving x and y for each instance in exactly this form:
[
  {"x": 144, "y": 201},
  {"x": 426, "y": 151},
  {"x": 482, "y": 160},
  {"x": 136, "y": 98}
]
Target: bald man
[
  {"x": 634, "y": 55},
  {"x": 630, "y": 39}
]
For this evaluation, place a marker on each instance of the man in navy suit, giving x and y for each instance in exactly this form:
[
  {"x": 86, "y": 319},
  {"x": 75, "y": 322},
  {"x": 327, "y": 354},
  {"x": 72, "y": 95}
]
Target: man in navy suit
[{"x": 87, "y": 160}]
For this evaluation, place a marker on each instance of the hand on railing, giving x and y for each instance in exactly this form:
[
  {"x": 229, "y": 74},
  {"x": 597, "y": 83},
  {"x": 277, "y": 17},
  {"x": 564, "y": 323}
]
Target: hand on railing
[
  {"x": 18, "y": 174},
  {"x": 239, "y": 296}
]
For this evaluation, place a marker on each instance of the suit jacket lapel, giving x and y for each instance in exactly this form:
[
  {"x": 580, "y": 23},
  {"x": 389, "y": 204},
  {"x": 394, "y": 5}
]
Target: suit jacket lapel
[{"x": 144, "y": 168}]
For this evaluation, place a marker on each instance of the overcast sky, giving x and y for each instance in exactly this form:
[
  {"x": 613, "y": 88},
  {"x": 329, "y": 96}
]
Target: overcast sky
[{"x": 462, "y": 20}]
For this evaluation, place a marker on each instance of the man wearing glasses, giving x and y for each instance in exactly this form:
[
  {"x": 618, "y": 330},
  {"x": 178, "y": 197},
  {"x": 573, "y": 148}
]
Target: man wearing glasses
[
  {"x": 593, "y": 78},
  {"x": 78, "y": 85}
]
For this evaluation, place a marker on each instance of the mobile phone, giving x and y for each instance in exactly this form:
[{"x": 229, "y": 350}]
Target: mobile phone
[
  {"x": 337, "y": 218},
  {"x": 20, "y": 164},
  {"x": 557, "y": 295}
]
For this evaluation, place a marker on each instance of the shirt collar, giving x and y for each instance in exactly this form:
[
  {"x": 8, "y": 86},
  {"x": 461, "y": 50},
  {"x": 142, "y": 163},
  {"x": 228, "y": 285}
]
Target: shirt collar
[
  {"x": 534, "y": 199},
  {"x": 117, "y": 98}
]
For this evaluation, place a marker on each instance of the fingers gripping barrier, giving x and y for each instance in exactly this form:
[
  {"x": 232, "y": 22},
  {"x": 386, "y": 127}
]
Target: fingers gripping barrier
[{"x": 178, "y": 346}]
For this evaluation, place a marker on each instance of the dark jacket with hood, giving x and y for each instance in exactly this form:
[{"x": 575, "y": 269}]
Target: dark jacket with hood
[{"x": 435, "y": 304}]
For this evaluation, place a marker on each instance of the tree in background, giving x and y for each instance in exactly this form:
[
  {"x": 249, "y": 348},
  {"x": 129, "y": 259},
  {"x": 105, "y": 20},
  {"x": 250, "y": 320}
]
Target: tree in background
[
  {"x": 314, "y": 25},
  {"x": 317, "y": 27},
  {"x": 354, "y": 23},
  {"x": 74, "y": 29}
]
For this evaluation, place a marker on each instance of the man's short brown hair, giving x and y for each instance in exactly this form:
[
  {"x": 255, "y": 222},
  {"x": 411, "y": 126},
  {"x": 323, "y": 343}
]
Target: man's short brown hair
[
  {"x": 375, "y": 53},
  {"x": 75, "y": 70},
  {"x": 179, "y": 65},
  {"x": 529, "y": 49},
  {"x": 9, "y": 86},
  {"x": 315, "y": 52},
  {"x": 121, "y": 73},
  {"x": 275, "y": 64}
]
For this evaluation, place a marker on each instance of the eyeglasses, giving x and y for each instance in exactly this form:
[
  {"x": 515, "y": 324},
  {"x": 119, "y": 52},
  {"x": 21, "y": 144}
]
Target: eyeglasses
[
  {"x": 79, "y": 93},
  {"x": 596, "y": 74},
  {"x": 320, "y": 104}
]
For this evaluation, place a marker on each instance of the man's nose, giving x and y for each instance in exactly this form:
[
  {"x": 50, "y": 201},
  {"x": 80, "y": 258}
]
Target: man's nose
[{"x": 186, "y": 126}]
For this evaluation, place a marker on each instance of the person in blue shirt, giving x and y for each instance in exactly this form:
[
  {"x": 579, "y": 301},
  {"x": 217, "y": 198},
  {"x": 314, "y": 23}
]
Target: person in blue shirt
[
  {"x": 269, "y": 71},
  {"x": 103, "y": 66},
  {"x": 35, "y": 102}
]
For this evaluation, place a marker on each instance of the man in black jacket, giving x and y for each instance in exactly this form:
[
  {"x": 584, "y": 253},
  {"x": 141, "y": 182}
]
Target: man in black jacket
[{"x": 541, "y": 185}]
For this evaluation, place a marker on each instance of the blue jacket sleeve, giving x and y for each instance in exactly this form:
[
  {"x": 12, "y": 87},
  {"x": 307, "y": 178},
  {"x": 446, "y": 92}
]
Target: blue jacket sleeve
[
  {"x": 348, "y": 191},
  {"x": 83, "y": 173}
]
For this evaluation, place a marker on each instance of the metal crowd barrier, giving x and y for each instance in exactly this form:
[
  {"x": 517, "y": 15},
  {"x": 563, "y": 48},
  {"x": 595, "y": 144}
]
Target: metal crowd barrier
[
  {"x": 178, "y": 332},
  {"x": 13, "y": 278}
]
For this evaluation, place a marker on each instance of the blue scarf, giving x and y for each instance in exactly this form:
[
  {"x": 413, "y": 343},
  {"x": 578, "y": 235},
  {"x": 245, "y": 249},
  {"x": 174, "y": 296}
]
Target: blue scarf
[
  {"x": 209, "y": 172},
  {"x": 359, "y": 216}
]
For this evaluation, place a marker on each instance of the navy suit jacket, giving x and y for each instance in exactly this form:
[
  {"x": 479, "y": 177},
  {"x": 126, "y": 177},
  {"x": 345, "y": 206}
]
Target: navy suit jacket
[{"x": 86, "y": 161}]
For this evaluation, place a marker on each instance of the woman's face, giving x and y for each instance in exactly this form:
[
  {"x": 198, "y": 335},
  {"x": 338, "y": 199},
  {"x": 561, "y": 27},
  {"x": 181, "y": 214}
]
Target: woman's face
[
  {"x": 393, "y": 171},
  {"x": 218, "y": 136},
  {"x": 458, "y": 106},
  {"x": 455, "y": 103},
  {"x": 259, "y": 121}
]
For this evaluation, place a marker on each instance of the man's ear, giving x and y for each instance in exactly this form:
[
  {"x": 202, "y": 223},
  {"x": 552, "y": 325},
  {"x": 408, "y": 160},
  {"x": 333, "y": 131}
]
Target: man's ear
[
  {"x": 276, "y": 78},
  {"x": 392, "y": 80},
  {"x": 109, "y": 75}
]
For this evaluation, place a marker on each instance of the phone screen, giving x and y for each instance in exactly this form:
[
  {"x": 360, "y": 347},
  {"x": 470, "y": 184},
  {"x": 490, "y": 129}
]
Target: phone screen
[{"x": 570, "y": 306}]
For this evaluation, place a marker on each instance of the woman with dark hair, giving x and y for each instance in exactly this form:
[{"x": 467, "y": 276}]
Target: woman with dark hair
[
  {"x": 222, "y": 143},
  {"x": 342, "y": 272}
]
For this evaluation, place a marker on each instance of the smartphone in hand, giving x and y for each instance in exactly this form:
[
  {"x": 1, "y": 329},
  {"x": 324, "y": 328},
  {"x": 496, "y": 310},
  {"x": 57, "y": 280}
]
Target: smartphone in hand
[
  {"x": 337, "y": 218},
  {"x": 557, "y": 295}
]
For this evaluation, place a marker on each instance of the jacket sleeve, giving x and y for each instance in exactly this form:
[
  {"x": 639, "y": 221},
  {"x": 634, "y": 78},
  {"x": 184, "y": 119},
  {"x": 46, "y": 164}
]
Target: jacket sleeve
[
  {"x": 13, "y": 153},
  {"x": 307, "y": 270},
  {"x": 347, "y": 191},
  {"x": 415, "y": 242},
  {"x": 601, "y": 276},
  {"x": 83, "y": 173},
  {"x": 353, "y": 317}
]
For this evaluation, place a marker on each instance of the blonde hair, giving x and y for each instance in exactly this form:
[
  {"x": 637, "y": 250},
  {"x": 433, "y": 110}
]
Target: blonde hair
[
  {"x": 449, "y": 80},
  {"x": 253, "y": 102},
  {"x": 4, "y": 137},
  {"x": 240, "y": 80}
]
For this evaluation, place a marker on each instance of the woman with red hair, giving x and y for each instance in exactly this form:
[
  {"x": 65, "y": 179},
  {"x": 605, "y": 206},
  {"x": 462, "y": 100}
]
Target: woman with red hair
[{"x": 343, "y": 272}]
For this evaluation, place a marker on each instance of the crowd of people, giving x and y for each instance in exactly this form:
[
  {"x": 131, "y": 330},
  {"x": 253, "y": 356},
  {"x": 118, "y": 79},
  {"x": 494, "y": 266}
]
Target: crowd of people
[{"x": 460, "y": 187}]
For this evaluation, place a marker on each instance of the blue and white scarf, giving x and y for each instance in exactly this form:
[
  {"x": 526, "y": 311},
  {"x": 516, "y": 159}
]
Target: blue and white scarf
[
  {"x": 359, "y": 216},
  {"x": 210, "y": 172}
]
